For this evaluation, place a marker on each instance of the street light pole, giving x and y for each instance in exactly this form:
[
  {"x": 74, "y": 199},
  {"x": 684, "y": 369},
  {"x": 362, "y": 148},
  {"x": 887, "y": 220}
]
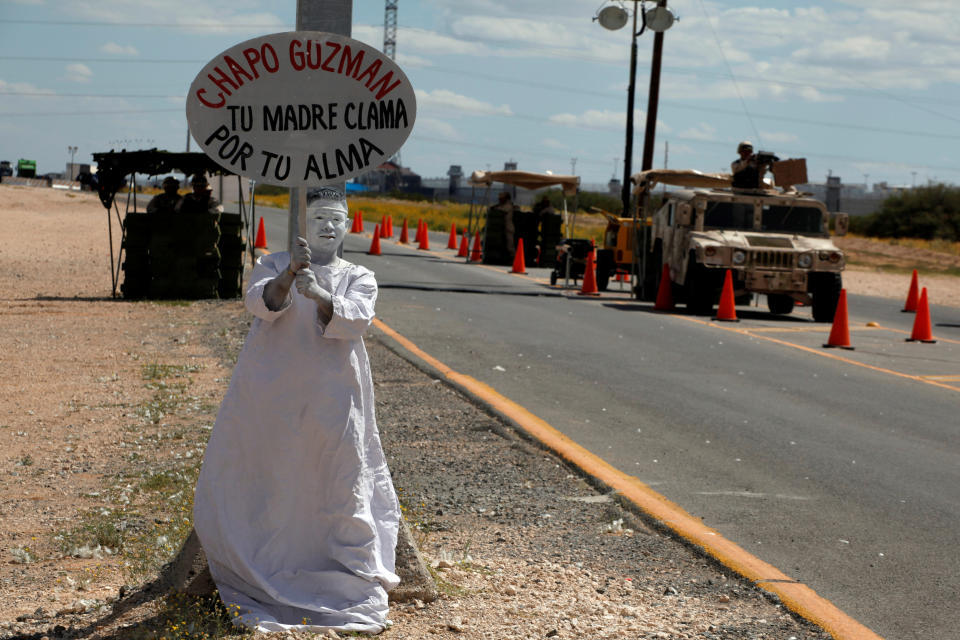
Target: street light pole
[{"x": 628, "y": 148}]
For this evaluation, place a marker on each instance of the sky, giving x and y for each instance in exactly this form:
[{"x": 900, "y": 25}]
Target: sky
[{"x": 866, "y": 90}]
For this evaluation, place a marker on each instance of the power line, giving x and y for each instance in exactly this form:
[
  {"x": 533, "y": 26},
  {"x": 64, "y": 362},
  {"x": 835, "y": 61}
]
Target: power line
[{"x": 219, "y": 26}]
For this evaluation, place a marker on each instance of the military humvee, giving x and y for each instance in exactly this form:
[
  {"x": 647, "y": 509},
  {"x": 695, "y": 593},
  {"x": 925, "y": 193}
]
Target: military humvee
[{"x": 775, "y": 242}]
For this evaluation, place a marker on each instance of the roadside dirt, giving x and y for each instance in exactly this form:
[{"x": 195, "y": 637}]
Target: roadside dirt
[{"x": 105, "y": 407}]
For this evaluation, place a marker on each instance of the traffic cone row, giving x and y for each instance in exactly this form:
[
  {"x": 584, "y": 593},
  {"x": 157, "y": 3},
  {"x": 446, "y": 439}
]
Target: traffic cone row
[
  {"x": 665, "y": 292},
  {"x": 921, "y": 324},
  {"x": 452, "y": 242},
  {"x": 464, "y": 251},
  {"x": 357, "y": 222}
]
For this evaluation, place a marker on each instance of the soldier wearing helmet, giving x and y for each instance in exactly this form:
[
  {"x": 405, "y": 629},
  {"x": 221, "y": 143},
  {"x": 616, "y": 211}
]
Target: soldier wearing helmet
[
  {"x": 169, "y": 200},
  {"x": 201, "y": 200},
  {"x": 749, "y": 169}
]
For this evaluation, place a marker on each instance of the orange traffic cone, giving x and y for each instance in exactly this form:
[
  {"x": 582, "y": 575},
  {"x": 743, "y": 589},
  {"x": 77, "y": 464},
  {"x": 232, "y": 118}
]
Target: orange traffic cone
[
  {"x": 913, "y": 295},
  {"x": 518, "y": 261},
  {"x": 840, "y": 331},
  {"x": 357, "y": 222},
  {"x": 375, "y": 245},
  {"x": 477, "y": 254},
  {"x": 261, "y": 242},
  {"x": 383, "y": 226},
  {"x": 665, "y": 292},
  {"x": 727, "y": 310},
  {"x": 389, "y": 225},
  {"x": 452, "y": 242},
  {"x": 424, "y": 239},
  {"x": 404, "y": 233},
  {"x": 589, "y": 285},
  {"x": 464, "y": 247},
  {"x": 419, "y": 231},
  {"x": 921, "y": 324}
]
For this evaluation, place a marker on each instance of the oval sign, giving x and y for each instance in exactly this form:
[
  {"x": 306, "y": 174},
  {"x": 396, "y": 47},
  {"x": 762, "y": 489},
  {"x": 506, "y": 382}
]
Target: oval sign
[{"x": 301, "y": 108}]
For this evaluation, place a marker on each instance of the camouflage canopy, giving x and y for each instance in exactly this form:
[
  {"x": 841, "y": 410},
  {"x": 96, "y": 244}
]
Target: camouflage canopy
[
  {"x": 646, "y": 180},
  {"x": 527, "y": 180}
]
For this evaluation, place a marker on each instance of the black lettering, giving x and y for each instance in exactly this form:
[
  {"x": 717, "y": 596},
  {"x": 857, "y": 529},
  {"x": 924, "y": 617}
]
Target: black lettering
[
  {"x": 303, "y": 121},
  {"x": 326, "y": 169},
  {"x": 385, "y": 113},
  {"x": 318, "y": 116},
  {"x": 401, "y": 115},
  {"x": 222, "y": 133},
  {"x": 312, "y": 167},
  {"x": 266, "y": 163},
  {"x": 286, "y": 171},
  {"x": 272, "y": 121},
  {"x": 246, "y": 151},
  {"x": 367, "y": 147},
  {"x": 290, "y": 118},
  {"x": 332, "y": 115},
  {"x": 344, "y": 163},
  {"x": 346, "y": 116}
]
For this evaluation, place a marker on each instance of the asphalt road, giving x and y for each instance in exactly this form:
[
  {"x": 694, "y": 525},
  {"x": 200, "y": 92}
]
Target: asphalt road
[{"x": 841, "y": 468}]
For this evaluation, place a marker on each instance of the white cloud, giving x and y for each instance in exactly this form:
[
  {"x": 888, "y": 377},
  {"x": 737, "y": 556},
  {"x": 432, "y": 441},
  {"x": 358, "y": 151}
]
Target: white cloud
[
  {"x": 553, "y": 143},
  {"x": 778, "y": 137},
  {"x": 78, "y": 72},
  {"x": 115, "y": 49},
  {"x": 23, "y": 87},
  {"x": 702, "y": 131},
  {"x": 448, "y": 100},
  {"x": 605, "y": 119},
  {"x": 436, "y": 127}
]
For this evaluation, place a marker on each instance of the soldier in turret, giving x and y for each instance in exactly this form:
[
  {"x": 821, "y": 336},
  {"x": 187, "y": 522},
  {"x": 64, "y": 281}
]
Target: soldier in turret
[
  {"x": 169, "y": 200},
  {"x": 201, "y": 200}
]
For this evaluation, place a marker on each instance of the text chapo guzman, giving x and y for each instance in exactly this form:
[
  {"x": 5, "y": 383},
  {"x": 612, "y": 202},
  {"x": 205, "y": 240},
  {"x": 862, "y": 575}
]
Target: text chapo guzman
[{"x": 381, "y": 112}]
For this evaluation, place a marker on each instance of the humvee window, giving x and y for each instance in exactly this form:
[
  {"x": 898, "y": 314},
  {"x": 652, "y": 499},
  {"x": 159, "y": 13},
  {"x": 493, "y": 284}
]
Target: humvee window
[
  {"x": 728, "y": 215},
  {"x": 793, "y": 219}
]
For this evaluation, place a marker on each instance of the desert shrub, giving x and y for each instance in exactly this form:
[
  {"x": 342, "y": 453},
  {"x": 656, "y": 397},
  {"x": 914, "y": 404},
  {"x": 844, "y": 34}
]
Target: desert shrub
[{"x": 930, "y": 212}]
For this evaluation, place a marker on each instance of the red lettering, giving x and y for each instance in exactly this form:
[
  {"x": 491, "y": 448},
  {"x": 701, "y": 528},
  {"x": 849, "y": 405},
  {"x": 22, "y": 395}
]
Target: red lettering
[
  {"x": 336, "y": 48},
  {"x": 353, "y": 64},
  {"x": 382, "y": 83},
  {"x": 264, "y": 50},
  {"x": 222, "y": 80},
  {"x": 370, "y": 71},
  {"x": 296, "y": 56},
  {"x": 313, "y": 64},
  {"x": 212, "y": 105},
  {"x": 252, "y": 57},
  {"x": 237, "y": 70}
]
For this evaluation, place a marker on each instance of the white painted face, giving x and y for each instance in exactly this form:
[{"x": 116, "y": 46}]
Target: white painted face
[{"x": 326, "y": 229}]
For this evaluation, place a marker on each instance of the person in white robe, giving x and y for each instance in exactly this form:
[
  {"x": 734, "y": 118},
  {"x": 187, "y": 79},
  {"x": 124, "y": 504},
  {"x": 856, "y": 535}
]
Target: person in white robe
[{"x": 294, "y": 505}]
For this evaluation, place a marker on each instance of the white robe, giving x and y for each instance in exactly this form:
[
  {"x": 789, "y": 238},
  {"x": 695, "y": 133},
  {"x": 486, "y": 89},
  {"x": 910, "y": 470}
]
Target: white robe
[{"x": 294, "y": 506}]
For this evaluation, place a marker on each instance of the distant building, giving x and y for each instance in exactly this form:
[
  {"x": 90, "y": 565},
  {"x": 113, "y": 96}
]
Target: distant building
[
  {"x": 391, "y": 177},
  {"x": 854, "y": 198}
]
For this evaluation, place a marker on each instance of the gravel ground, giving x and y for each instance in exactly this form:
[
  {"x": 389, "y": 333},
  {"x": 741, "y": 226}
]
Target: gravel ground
[{"x": 105, "y": 407}]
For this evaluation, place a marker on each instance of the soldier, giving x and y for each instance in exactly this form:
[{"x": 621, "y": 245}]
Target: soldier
[
  {"x": 201, "y": 200},
  {"x": 749, "y": 170},
  {"x": 169, "y": 200}
]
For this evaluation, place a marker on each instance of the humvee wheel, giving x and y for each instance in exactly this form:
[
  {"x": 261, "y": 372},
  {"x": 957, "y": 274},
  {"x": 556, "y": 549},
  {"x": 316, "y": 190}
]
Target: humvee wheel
[
  {"x": 700, "y": 291},
  {"x": 825, "y": 289},
  {"x": 779, "y": 303}
]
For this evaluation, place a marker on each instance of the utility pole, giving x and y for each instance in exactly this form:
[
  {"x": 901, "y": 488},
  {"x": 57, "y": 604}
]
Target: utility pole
[
  {"x": 573, "y": 166},
  {"x": 390, "y": 50},
  {"x": 72, "y": 150},
  {"x": 331, "y": 16},
  {"x": 653, "y": 97}
]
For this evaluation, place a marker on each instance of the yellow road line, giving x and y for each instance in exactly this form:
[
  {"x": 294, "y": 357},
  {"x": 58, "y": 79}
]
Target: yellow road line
[
  {"x": 823, "y": 354},
  {"x": 798, "y": 597}
]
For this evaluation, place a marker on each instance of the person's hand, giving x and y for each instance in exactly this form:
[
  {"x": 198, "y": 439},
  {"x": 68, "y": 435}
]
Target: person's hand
[
  {"x": 300, "y": 256},
  {"x": 308, "y": 286}
]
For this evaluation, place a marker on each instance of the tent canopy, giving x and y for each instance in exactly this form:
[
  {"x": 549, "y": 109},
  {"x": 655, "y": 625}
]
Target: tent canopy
[
  {"x": 113, "y": 167},
  {"x": 646, "y": 180},
  {"x": 527, "y": 180}
]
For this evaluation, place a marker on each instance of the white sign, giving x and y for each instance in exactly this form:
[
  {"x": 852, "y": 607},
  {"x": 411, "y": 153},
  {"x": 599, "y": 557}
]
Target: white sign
[{"x": 301, "y": 108}]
